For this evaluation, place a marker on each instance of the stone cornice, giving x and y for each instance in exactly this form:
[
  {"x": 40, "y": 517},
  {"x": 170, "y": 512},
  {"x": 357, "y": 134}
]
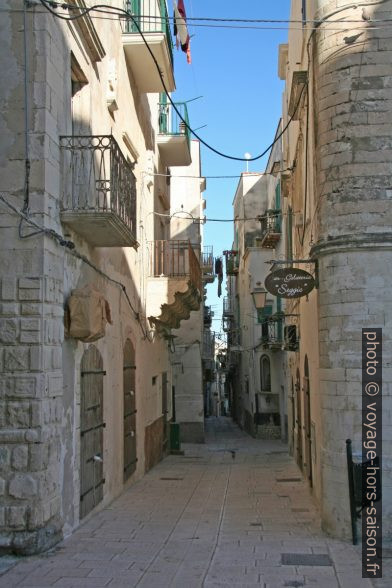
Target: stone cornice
[
  {"x": 88, "y": 30},
  {"x": 342, "y": 243}
]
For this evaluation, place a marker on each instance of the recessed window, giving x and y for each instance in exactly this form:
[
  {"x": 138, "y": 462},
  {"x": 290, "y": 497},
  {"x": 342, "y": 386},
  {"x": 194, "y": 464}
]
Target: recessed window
[{"x": 265, "y": 373}]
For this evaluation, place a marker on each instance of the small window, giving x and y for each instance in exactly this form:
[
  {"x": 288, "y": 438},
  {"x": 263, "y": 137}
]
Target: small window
[{"x": 303, "y": 11}]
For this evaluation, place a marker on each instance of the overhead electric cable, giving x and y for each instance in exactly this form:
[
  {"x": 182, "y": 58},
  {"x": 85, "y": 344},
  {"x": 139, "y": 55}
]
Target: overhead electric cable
[
  {"x": 70, "y": 248},
  {"x": 173, "y": 104}
]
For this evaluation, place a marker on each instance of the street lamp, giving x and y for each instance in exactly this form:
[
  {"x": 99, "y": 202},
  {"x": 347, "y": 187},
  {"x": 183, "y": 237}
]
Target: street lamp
[{"x": 259, "y": 295}]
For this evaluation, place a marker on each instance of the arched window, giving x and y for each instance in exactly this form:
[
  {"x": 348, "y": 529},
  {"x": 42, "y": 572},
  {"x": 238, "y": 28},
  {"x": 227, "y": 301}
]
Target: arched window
[{"x": 265, "y": 373}]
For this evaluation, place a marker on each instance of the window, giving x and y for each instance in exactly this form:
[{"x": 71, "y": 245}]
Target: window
[
  {"x": 303, "y": 11},
  {"x": 265, "y": 373}
]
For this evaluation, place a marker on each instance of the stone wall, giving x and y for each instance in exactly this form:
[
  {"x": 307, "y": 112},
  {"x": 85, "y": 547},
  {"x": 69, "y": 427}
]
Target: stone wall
[{"x": 353, "y": 103}]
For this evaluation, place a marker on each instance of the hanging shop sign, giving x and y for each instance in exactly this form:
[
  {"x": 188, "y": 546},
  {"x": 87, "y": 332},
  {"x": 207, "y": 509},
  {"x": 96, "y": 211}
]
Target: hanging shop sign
[{"x": 289, "y": 282}]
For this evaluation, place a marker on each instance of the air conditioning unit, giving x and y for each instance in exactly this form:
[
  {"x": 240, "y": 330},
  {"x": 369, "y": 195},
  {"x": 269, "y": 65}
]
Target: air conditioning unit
[{"x": 291, "y": 341}]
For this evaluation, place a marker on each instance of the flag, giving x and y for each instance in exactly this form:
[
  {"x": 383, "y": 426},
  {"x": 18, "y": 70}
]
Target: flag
[{"x": 181, "y": 29}]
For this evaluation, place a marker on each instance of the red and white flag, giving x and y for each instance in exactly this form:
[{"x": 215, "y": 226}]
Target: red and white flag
[{"x": 181, "y": 29}]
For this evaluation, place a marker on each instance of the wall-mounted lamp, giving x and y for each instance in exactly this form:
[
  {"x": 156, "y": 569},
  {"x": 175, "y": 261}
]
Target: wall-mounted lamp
[{"x": 259, "y": 296}]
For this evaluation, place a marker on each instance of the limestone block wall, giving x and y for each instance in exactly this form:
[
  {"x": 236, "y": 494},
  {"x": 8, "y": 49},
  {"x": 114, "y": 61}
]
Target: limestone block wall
[
  {"x": 352, "y": 103},
  {"x": 39, "y": 369}
]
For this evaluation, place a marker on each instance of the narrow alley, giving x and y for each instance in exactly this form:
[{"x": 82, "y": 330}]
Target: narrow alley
[{"x": 232, "y": 512}]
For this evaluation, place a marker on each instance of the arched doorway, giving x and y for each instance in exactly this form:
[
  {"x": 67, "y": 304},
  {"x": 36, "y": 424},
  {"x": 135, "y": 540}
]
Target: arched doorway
[
  {"x": 298, "y": 420},
  {"x": 265, "y": 373},
  {"x": 307, "y": 414},
  {"x": 292, "y": 408},
  {"x": 129, "y": 391},
  {"x": 91, "y": 430}
]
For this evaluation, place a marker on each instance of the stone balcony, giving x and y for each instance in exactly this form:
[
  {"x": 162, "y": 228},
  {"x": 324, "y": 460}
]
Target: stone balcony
[
  {"x": 98, "y": 191},
  {"x": 174, "y": 285},
  {"x": 150, "y": 18}
]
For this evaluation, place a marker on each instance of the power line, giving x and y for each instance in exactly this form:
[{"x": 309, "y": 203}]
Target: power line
[
  {"x": 261, "y": 174},
  {"x": 149, "y": 18},
  {"x": 110, "y": 9},
  {"x": 70, "y": 248}
]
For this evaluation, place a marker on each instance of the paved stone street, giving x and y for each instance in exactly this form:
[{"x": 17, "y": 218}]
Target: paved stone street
[{"x": 209, "y": 518}]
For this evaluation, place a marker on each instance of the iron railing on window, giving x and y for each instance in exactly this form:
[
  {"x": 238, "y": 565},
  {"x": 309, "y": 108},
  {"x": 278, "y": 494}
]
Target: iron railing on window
[
  {"x": 271, "y": 222},
  {"x": 208, "y": 344},
  {"x": 150, "y": 16},
  {"x": 97, "y": 177},
  {"x": 175, "y": 259},
  {"x": 272, "y": 330},
  {"x": 207, "y": 257}
]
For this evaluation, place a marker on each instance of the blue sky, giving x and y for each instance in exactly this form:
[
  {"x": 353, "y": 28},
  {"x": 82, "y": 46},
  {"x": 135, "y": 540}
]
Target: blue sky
[{"x": 235, "y": 70}]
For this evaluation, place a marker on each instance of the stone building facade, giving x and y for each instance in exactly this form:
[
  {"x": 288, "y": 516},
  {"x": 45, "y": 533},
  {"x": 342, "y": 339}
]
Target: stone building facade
[
  {"x": 87, "y": 140},
  {"x": 337, "y": 184},
  {"x": 256, "y": 335}
]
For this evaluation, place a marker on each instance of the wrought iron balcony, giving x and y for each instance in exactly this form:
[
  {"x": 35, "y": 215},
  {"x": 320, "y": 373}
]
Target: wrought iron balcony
[
  {"x": 208, "y": 314},
  {"x": 151, "y": 18},
  {"x": 99, "y": 191},
  {"x": 232, "y": 262},
  {"x": 228, "y": 307},
  {"x": 271, "y": 229},
  {"x": 207, "y": 264},
  {"x": 272, "y": 332},
  {"x": 208, "y": 345},
  {"x": 175, "y": 259},
  {"x": 174, "y": 137},
  {"x": 174, "y": 297}
]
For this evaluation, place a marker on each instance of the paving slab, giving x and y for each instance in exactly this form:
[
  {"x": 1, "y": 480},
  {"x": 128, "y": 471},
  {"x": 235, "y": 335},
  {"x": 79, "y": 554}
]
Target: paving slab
[{"x": 204, "y": 520}]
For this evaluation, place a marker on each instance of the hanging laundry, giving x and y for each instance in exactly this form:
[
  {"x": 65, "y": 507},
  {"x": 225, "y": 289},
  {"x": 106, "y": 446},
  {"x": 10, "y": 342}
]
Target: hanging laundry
[
  {"x": 181, "y": 29},
  {"x": 219, "y": 273}
]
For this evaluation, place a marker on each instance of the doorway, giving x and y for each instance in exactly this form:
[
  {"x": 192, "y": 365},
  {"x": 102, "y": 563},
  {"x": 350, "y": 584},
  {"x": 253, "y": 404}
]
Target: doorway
[
  {"x": 164, "y": 413},
  {"x": 308, "y": 431},
  {"x": 129, "y": 378},
  {"x": 298, "y": 420},
  {"x": 91, "y": 431}
]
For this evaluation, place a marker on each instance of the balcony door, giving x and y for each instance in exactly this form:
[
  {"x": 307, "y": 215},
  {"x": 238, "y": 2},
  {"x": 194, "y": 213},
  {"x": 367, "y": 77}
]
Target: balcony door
[{"x": 164, "y": 413}]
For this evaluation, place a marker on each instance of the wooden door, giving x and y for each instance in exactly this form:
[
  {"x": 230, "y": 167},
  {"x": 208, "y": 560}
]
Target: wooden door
[
  {"x": 298, "y": 420},
  {"x": 308, "y": 432},
  {"x": 129, "y": 379},
  {"x": 91, "y": 430},
  {"x": 164, "y": 412}
]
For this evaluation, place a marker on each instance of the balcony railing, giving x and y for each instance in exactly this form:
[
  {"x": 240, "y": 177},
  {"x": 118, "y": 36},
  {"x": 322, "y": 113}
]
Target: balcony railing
[
  {"x": 208, "y": 345},
  {"x": 208, "y": 314},
  {"x": 147, "y": 31},
  {"x": 175, "y": 259},
  {"x": 271, "y": 228},
  {"x": 228, "y": 307},
  {"x": 174, "y": 136},
  {"x": 272, "y": 332},
  {"x": 99, "y": 190},
  {"x": 149, "y": 16},
  {"x": 232, "y": 262}
]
